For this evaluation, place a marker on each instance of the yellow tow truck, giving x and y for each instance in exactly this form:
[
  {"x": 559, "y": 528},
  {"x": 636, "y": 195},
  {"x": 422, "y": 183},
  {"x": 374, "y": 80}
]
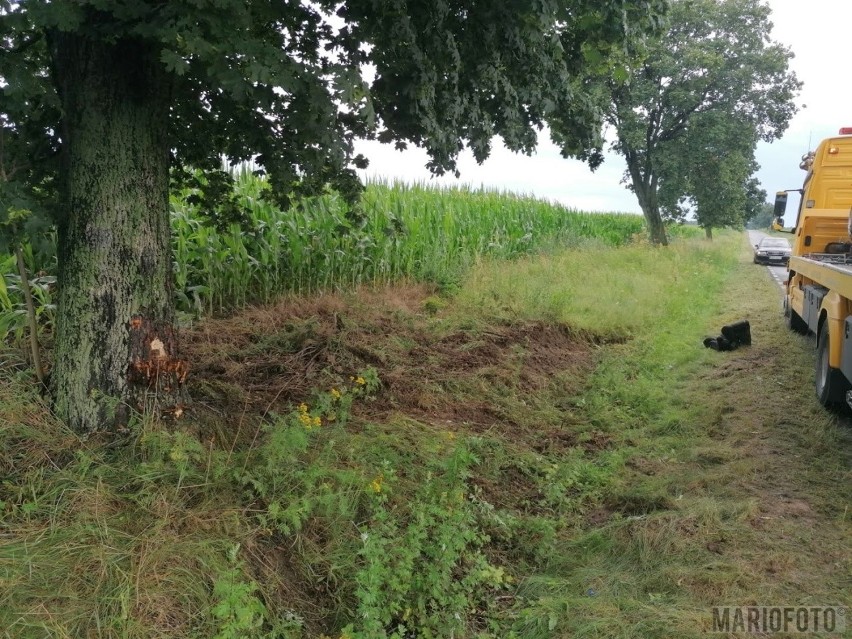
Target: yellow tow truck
[{"x": 818, "y": 295}]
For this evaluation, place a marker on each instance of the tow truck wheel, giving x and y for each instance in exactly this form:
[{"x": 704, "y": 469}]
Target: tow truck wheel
[
  {"x": 831, "y": 385},
  {"x": 793, "y": 321}
]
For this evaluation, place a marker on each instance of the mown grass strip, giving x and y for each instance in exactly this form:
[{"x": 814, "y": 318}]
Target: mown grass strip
[{"x": 734, "y": 485}]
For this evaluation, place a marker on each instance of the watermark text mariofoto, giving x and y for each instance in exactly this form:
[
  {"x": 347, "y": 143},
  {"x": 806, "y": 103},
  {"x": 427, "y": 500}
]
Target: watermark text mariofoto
[{"x": 786, "y": 619}]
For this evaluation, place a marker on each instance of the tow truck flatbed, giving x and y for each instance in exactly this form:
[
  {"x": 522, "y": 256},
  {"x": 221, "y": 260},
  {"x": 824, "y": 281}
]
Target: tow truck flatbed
[{"x": 831, "y": 270}]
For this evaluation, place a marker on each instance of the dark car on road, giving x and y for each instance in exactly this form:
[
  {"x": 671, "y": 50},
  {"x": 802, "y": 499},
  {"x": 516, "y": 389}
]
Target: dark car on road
[{"x": 772, "y": 250}]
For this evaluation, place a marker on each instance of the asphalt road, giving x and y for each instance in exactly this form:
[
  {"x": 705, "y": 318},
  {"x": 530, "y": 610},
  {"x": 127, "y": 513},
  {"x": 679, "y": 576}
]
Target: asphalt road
[{"x": 778, "y": 273}]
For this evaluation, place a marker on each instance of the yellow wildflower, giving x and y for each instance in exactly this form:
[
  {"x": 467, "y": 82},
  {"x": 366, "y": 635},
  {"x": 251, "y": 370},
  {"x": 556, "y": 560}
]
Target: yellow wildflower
[
  {"x": 376, "y": 484},
  {"x": 335, "y": 393},
  {"x": 360, "y": 381},
  {"x": 317, "y": 421},
  {"x": 303, "y": 407}
]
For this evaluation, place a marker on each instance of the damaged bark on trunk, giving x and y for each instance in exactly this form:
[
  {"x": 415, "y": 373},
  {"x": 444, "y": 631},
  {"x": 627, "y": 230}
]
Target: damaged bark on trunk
[{"x": 114, "y": 249}]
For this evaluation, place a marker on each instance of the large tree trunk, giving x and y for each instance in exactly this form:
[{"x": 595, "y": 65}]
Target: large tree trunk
[
  {"x": 656, "y": 228},
  {"x": 114, "y": 347},
  {"x": 708, "y": 232},
  {"x": 644, "y": 184},
  {"x": 647, "y": 197}
]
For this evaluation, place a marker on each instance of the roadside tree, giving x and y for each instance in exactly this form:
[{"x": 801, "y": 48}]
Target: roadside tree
[
  {"x": 710, "y": 174},
  {"x": 687, "y": 118}
]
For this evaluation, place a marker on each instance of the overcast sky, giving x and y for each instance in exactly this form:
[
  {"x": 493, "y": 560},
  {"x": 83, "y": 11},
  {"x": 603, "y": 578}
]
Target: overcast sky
[{"x": 816, "y": 30}]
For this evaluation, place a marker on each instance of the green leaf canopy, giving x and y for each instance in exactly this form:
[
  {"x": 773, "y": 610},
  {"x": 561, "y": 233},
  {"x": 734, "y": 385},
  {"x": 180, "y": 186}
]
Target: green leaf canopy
[{"x": 291, "y": 84}]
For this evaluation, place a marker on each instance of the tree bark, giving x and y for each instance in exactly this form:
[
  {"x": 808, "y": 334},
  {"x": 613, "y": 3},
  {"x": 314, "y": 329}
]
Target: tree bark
[
  {"x": 647, "y": 196},
  {"x": 644, "y": 183},
  {"x": 656, "y": 228},
  {"x": 115, "y": 272},
  {"x": 708, "y": 232}
]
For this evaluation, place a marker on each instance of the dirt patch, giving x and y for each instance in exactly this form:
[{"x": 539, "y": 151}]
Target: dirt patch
[
  {"x": 645, "y": 466},
  {"x": 521, "y": 358},
  {"x": 514, "y": 490},
  {"x": 596, "y": 441},
  {"x": 266, "y": 359},
  {"x": 747, "y": 360},
  {"x": 555, "y": 442},
  {"x": 786, "y": 508},
  {"x": 637, "y": 503},
  {"x": 598, "y": 516}
]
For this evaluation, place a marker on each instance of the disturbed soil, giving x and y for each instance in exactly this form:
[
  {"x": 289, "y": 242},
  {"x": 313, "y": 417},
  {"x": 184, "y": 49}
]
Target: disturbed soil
[{"x": 268, "y": 359}]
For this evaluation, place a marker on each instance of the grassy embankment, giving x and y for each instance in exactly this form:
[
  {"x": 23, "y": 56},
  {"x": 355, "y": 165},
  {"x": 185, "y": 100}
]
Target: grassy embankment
[{"x": 547, "y": 452}]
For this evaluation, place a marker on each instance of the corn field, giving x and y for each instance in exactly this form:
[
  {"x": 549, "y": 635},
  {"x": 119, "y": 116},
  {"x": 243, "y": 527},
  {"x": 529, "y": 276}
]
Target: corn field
[
  {"x": 13, "y": 311},
  {"x": 416, "y": 232},
  {"x": 399, "y": 231}
]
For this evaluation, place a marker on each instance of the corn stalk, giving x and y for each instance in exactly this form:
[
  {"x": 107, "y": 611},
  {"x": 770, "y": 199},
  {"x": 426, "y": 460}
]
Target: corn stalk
[{"x": 31, "y": 314}]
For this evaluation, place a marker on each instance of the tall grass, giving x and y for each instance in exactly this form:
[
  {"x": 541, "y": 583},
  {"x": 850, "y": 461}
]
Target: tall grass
[{"x": 13, "y": 310}]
